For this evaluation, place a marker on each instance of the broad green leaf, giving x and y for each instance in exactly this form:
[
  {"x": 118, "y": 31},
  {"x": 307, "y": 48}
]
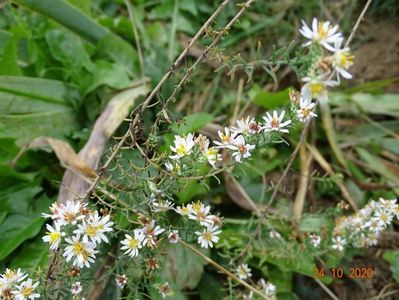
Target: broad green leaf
[
  {"x": 32, "y": 256},
  {"x": 183, "y": 267},
  {"x": 9, "y": 177},
  {"x": 190, "y": 190},
  {"x": 83, "y": 5},
  {"x": 68, "y": 49},
  {"x": 31, "y": 107},
  {"x": 392, "y": 256},
  {"x": 9, "y": 61},
  {"x": 110, "y": 74},
  {"x": 4, "y": 38},
  {"x": 269, "y": 100},
  {"x": 16, "y": 229},
  {"x": 69, "y": 16},
  {"x": 119, "y": 51},
  {"x": 192, "y": 123},
  {"x": 280, "y": 278},
  {"x": 8, "y": 150},
  {"x": 18, "y": 198}
]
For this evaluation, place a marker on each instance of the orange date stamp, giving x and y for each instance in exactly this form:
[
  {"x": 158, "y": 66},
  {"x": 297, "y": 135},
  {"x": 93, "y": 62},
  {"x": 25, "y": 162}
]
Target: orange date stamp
[{"x": 339, "y": 272}]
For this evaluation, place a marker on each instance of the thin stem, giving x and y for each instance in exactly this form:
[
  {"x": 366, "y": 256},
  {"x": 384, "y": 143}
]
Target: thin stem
[
  {"x": 359, "y": 19},
  {"x": 326, "y": 289},
  {"x": 136, "y": 35},
  {"x": 223, "y": 270}
]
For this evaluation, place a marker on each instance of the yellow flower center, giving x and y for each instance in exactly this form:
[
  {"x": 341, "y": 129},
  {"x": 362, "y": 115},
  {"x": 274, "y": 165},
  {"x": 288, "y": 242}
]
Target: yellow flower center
[
  {"x": 9, "y": 274},
  {"x": 305, "y": 112},
  {"x": 133, "y": 244},
  {"x": 91, "y": 230},
  {"x": 225, "y": 138},
  {"x": 26, "y": 291},
  {"x": 207, "y": 236},
  {"x": 321, "y": 31},
  {"x": 197, "y": 206},
  {"x": 54, "y": 236},
  {"x": 181, "y": 150},
  {"x": 316, "y": 88},
  {"x": 242, "y": 149},
  {"x": 242, "y": 271},
  {"x": 345, "y": 60},
  {"x": 184, "y": 210},
  {"x": 79, "y": 249},
  {"x": 384, "y": 217}
]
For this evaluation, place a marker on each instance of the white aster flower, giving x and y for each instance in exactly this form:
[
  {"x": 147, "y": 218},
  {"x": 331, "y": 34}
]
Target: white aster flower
[
  {"x": 76, "y": 288},
  {"x": 150, "y": 232},
  {"x": 82, "y": 252},
  {"x": 161, "y": 206},
  {"x": 11, "y": 276},
  {"x": 338, "y": 243},
  {"x": 342, "y": 60},
  {"x": 226, "y": 138},
  {"x": 383, "y": 217},
  {"x": 242, "y": 150},
  {"x": 131, "y": 245},
  {"x": 69, "y": 213},
  {"x": 165, "y": 290},
  {"x": 121, "y": 280},
  {"x": 55, "y": 212},
  {"x": 322, "y": 33},
  {"x": 173, "y": 167},
  {"x": 183, "y": 210},
  {"x": 183, "y": 146},
  {"x": 315, "y": 240},
  {"x": 243, "y": 271},
  {"x": 305, "y": 111},
  {"x": 275, "y": 122},
  {"x": 243, "y": 126},
  {"x": 53, "y": 236},
  {"x": 173, "y": 237},
  {"x": 212, "y": 156},
  {"x": 268, "y": 288},
  {"x": 208, "y": 236},
  {"x": 94, "y": 228},
  {"x": 25, "y": 290},
  {"x": 199, "y": 212},
  {"x": 374, "y": 226},
  {"x": 316, "y": 87}
]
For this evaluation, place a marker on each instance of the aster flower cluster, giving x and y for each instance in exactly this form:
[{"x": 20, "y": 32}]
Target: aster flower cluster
[
  {"x": 330, "y": 61},
  {"x": 15, "y": 284},
  {"x": 79, "y": 229},
  {"x": 363, "y": 228},
  {"x": 197, "y": 211},
  {"x": 244, "y": 272},
  {"x": 241, "y": 139},
  {"x": 147, "y": 236}
]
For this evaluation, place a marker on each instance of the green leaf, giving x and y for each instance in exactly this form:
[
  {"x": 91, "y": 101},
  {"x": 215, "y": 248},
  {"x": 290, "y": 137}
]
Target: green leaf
[
  {"x": 9, "y": 177},
  {"x": 183, "y": 267},
  {"x": 106, "y": 73},
  {"x": 9, "y": 61},
  {"x": 17, "y": 199},
  {"x": 8, "y": 150},
  {"x": 281, "y": 278},
  {"x": 69, "y": 16},
  {"x": 32, "y": 256},
  {"x": 269, "y": 100},
  {"x": 15, "y": 230},
  {"x": 4, "y": 38},
  {"x": 31, "y": 107},
  {"x": 191, "y": 190},
  {"x": 392, "y": 256},
  {"x": 192, "y": 123},
  {"x": 120, "y": 52},
  {"x": 68, "y": 49}
]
